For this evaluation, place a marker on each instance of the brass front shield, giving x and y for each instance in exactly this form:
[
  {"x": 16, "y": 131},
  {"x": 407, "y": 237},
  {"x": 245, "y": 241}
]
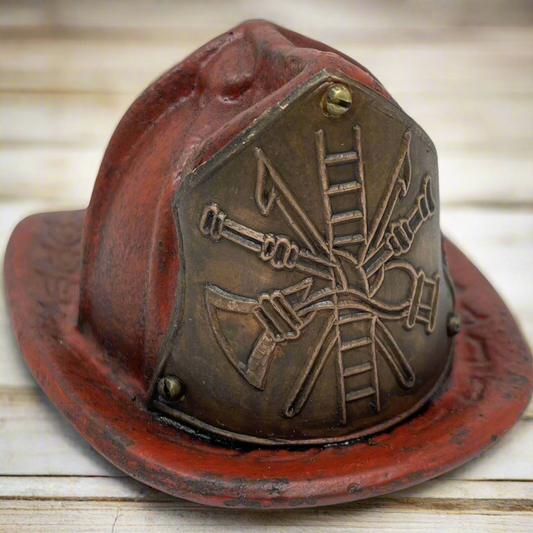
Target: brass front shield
[{"x": 313, "y": 300}]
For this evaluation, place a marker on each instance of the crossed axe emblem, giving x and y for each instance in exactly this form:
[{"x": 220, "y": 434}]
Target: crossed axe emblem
[{"x": 344, "y": 272}]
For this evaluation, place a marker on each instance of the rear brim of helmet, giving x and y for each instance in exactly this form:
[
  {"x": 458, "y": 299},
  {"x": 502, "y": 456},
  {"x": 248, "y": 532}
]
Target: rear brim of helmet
[{"x": 488, "y": 388}]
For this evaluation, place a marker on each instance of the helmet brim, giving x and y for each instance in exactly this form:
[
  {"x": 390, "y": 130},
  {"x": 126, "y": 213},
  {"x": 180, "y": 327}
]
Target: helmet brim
[{"x": 487, "y": 389}]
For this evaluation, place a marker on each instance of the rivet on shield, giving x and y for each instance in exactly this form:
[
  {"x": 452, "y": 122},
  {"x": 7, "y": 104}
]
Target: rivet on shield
[
  {"x": 171, "y": 388},
  {"x": 337, "y": 100},
  {"x": 454, "y": 324}
]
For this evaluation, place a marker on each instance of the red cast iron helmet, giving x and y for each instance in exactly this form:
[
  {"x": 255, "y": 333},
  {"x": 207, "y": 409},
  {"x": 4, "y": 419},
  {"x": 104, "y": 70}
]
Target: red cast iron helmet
[{"x": 256, "y": 308}]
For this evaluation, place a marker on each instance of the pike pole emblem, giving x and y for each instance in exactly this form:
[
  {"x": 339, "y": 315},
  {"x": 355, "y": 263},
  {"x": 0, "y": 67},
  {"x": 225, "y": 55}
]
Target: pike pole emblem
[{"x": 342, "y": 269}]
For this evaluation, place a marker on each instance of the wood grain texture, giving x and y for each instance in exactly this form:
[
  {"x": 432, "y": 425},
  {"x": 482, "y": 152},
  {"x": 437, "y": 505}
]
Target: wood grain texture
[
  {"x": 152, "y": 517},
  {"x": 344, "y": 16},
  {"x": 485, "y": 60}
]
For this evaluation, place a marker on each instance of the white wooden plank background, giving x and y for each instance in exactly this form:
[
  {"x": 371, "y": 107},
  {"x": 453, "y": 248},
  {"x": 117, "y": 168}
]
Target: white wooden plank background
[{"x": 68, "y": 71}]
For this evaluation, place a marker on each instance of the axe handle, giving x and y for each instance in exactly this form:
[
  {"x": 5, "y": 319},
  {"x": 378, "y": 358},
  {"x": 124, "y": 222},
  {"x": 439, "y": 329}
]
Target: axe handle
[
  {"x": 215, "y": 224},
  {"x": 259, "y": 361},
  {"x": 397, "y": 186},
  {"x": 422, "y": 209}
]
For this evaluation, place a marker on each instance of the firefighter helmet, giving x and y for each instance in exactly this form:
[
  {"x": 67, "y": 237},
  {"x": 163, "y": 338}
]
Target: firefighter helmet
[{"x": 261, "y": 266}]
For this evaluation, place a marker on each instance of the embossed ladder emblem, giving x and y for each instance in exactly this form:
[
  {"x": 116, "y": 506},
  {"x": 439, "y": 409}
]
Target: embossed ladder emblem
[{"x": 344, "y": 270}]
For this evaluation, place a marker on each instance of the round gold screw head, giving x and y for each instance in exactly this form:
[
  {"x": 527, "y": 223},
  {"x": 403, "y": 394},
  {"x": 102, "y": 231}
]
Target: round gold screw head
[
  {"x": 337, "y": 100},
  {"x": 454, "y": 324},
  {"x": 170, "y": 388}
]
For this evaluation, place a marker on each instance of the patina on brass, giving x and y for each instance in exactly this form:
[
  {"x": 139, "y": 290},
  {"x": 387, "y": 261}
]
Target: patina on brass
[{"x": 314, "y": 300}]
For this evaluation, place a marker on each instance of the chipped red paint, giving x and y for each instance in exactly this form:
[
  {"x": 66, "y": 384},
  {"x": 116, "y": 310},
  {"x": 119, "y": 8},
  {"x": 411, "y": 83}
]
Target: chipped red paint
[{"x": 88, "y": 293}]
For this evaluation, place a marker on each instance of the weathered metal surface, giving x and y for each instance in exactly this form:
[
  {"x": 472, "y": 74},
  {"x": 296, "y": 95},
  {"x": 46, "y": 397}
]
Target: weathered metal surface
[
  {"x": 99, "y": 299},
  {"x": 315, "y": 304}
]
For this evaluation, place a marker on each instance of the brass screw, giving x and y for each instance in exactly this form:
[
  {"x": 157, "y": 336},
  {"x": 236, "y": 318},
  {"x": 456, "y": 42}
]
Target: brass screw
[
  {"x": 454, "y": 324},
  {"x": 171, "y": 388},
  {"x": 337, "y": 100}
]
